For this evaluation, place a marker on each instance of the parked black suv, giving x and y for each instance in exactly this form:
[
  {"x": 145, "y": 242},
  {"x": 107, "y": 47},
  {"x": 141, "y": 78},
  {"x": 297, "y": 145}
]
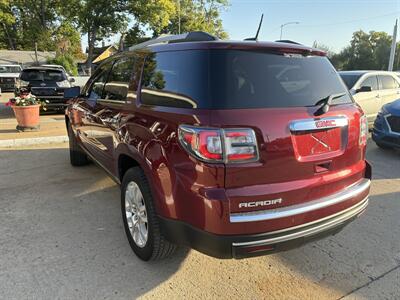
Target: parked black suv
[{"x": 45, "y": 83}]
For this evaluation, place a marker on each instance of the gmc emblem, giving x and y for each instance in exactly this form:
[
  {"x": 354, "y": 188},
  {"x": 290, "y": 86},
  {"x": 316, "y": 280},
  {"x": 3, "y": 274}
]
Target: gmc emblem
[
  {"x": 325, "y": 123},
  {"x": 260, "y": 203}
]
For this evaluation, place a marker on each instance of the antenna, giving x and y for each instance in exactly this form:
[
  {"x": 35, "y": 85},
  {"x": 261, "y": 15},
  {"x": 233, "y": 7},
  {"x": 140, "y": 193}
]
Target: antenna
[{"x": 258, "y": 30}]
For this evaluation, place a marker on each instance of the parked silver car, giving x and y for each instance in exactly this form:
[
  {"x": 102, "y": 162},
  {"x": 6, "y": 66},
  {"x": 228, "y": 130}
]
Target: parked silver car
[
  {"x": 372, "y": 89},
  {"x": 8, "y": 77}
]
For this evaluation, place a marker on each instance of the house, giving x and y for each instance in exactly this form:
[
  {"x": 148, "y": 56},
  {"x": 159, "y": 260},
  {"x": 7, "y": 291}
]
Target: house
[
  {"x": 24, "y": 58},
  {"x": 99, "y": 54}
]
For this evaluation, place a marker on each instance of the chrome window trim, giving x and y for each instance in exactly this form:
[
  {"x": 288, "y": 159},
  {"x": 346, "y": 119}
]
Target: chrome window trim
[
  {"x": 336, "y": 220},
  {"x": 310, "y": 124},
  {"x": 288, "y": 211}
]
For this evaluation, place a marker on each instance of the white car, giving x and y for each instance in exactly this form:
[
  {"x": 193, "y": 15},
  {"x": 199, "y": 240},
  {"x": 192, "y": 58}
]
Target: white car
[
  {"x": 372, "y": 89},
  {"x": 8, "y": 77}
]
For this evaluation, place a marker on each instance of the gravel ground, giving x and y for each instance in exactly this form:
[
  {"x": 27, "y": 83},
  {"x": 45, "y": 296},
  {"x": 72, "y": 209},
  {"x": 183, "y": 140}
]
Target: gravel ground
[{"x": 61, "y": 236}]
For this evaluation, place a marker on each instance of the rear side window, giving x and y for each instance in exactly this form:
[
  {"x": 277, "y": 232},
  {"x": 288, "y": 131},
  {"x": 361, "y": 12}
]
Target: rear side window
[
  {"x": 372, "y": 82},
  {"x": 227, "y": 79},
  {"x": 176, "y": 79},
  {"x": 117, "y": 85},
  {"x": 388, "y": 82},
  {"x": 10, "y": 69},
  {"x": 95, "y": 86}
]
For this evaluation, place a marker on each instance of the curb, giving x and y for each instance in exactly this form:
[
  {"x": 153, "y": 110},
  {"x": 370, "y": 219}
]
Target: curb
[{"x": 33, "y": 141}]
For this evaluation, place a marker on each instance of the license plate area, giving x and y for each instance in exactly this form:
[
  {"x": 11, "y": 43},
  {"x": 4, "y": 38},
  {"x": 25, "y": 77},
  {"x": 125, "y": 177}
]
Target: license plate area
[{"x": 318, "y": 139}]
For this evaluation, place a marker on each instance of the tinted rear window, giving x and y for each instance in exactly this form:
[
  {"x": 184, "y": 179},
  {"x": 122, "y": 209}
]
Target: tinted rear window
[
  {"x": 350, "y": 80},
  {"x": 10, "y": 69},
  {"x": 43, "y": 75},
  {"x": 226, "y": 79}
]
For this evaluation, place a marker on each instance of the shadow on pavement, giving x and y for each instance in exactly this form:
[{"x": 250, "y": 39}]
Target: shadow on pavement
[
  {"x": 366, "y": 248},
  {"x": 61, "y": 232},
  {"x": 61, "y": 236}
]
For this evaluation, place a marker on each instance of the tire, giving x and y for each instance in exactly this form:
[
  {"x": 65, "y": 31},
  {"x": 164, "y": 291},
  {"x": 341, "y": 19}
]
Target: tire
[
  {"x": 384, "y": 147},
  {"x": 153, "y": 246},
  {"x": 76, "y": 154}
]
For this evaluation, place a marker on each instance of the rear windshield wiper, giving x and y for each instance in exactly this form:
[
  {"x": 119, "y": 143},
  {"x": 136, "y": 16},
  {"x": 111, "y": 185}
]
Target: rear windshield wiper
[{"x": 325, "y": 103}]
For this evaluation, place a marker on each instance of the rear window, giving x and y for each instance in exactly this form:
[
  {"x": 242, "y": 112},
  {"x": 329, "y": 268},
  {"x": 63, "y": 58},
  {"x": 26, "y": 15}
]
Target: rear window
[
  {"x": 350, "y": 79},
  {"x": 43, "y": 75},
  {"x": 10, "y": 69},
  {"x": 227, "y": 79}
]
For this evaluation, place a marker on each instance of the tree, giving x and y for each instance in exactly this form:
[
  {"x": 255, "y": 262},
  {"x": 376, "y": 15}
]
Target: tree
[
  {"x": 367, "y": 51},
  {"x": 98, "y": 19},
  {"x": 323, "y": 47},
  {"x": 168, "y": 16},
  {"x": 203, "y": 15},
  {"x": 7, "y": 19}
]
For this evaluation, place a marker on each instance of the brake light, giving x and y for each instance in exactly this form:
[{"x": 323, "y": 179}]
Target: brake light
[
  {"x": 363, "y": 130},
  {"x": 219, "y": 145}
]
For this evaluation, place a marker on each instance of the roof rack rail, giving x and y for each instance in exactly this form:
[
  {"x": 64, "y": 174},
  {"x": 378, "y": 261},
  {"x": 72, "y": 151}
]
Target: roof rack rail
[
  {"x": 193, "y": 36},
  {"x": 288, "y": 42}
]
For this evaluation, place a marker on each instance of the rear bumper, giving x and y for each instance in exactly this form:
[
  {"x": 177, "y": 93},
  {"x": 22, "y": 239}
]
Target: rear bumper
[
  {"x": 7, "y": 87},
  {"x": 386, "y": 138},
  {"x": 241, "y": 246},
  {"x": 383, "y": 134}
]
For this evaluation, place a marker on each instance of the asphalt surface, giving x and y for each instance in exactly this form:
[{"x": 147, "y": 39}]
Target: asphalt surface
[{"x": 61, "y": 236}]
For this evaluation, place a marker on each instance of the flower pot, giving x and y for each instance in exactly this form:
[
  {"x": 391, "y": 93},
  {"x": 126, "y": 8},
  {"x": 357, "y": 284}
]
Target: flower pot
[{"x": 27, "y": 116}]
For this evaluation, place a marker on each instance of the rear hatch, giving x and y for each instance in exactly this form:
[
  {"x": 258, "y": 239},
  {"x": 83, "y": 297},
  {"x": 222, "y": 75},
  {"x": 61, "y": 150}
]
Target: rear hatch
[
  {"x": 302, "y": 156},
  {"x": 44, "y": 82}
]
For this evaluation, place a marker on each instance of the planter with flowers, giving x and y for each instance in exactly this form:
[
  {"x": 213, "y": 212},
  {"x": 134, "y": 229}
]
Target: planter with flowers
[{"x": 26, "y": 109}]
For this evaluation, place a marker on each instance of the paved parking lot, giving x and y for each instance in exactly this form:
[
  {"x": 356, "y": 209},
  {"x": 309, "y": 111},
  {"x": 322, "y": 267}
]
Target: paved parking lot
[{"x": 61, "y": 236}]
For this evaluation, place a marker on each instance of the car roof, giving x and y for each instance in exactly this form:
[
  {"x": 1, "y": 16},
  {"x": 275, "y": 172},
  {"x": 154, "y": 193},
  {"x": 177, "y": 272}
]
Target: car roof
[
  {"x": 43, "y": 68},
  {"x": 285, "y": 47},
  {"x": 362, "y": 72},
  {"x": 52, "y": 66},
  {"x": 12, "y": 65},
  {"x": 240, "y": 45}
]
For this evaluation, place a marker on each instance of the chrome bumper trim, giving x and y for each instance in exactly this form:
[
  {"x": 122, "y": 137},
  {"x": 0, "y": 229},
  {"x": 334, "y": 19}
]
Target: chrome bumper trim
[
  {"x": 327, "y": 223},
  {"x": 288, "y": 211}
]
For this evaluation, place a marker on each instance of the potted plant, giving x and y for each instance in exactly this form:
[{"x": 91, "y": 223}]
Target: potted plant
[{"x": 26, "y": 109}]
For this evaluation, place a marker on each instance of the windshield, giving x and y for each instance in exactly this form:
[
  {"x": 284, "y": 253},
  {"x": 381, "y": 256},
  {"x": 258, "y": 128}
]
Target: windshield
[
  {"x": 349, "y": 79},
  {"x": 227, "y": 79},
  {"x": 42, "y": 75},
  {"x": 10, "y": 69}
]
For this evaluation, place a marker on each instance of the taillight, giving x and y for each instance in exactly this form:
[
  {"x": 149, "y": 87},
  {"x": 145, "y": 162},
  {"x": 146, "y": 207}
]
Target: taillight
[
  {"x": 219, "y": 145},
  {"x": 363, "y": 130}
]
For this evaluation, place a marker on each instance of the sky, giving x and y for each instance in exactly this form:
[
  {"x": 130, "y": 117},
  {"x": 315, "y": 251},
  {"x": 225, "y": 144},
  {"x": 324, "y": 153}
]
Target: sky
[{"x": 328, "y": 22}]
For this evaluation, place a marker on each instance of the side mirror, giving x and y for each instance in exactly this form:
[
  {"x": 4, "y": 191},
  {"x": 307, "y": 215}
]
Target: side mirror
[
  {"x": 72, "y": 92},
  {"x": 364, "y": 89},
  {"x": 71, "y": 79}
]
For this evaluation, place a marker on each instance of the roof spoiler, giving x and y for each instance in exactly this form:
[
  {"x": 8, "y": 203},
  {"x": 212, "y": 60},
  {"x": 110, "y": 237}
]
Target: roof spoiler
[
  {"x": 194, "y": 36},
  {"x": 288, "y": 42}
]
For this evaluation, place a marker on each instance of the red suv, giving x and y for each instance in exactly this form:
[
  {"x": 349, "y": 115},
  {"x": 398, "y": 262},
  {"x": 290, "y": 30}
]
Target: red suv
[{"x": 235, "y": 149}]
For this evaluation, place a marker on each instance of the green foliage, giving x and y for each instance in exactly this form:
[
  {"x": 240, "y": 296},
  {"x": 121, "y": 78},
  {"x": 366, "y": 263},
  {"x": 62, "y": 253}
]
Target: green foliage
[
  {"x": 162, "y": 16},
  {"x": 156, "y": 14},
  {"x": 367, "y": 51},
  {"x": 67, "y": 61},
  {"x": 98, "y": 19},
  {"x": 7, "y": 20},
  {"x": 201, "y": 15},
  {"x": 26, "y": 22}
]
